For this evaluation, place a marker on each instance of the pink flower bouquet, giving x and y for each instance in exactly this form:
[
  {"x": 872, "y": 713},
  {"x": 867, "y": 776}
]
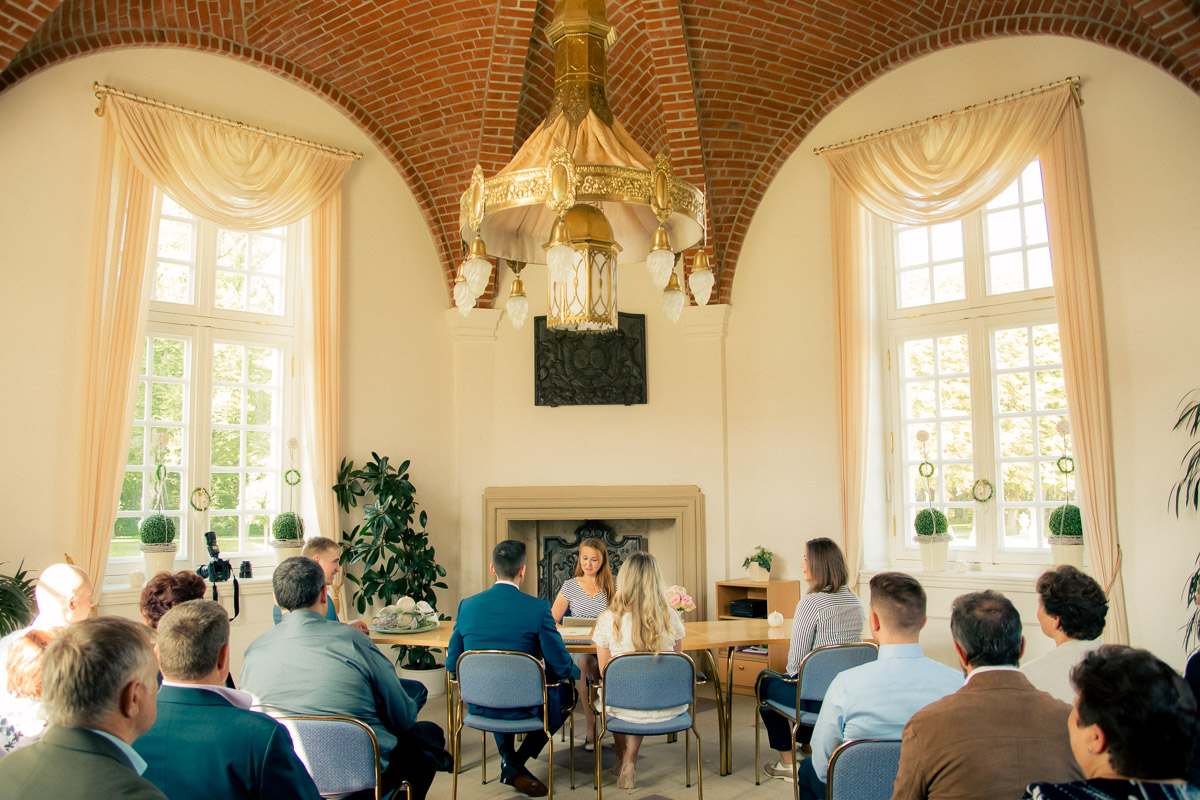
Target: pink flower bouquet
[{"x": 680, "y": 600}]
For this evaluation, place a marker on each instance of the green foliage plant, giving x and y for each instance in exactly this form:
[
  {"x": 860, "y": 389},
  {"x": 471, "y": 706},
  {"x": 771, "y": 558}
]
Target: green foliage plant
[
  {"x": 1066, "y": 521},
  {"x": 287, "y": 527},
  {"x": 397, "y": 559},
  {"x": 1186, "y": 492},
  {"x": 16, "y": 600},
  {"x": 760, "y": 556},
  {"x": 157, "y": 529},
  {"x": 930, "y": 522}
]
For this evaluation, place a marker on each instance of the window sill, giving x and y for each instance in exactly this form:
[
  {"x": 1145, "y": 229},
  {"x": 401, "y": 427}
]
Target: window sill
[
  {"x": 120, "y": 595},
  {"x": 971, "y": 580}
]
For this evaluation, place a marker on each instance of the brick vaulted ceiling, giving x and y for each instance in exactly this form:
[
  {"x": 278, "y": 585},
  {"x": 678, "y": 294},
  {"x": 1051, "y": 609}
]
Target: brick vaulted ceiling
[{"x": 726, "y": 88}]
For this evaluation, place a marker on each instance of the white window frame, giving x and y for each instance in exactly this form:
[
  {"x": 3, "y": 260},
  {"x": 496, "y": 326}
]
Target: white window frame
[
  {"x": 978, "y": 315},
  {"x": 202, "y": 323}
]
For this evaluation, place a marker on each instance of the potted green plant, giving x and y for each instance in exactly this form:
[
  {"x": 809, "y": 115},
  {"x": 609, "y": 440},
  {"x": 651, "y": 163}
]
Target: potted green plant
[
  {"x": 933, "y": 538},
  {"x": 158, "y": 545},
  {"x": 1186, "y": 492},
  {"x": 397, "y": 559},
  {"x": 759, "y": 564},
  {"x": 1066, "y": 535},
  {"x": 287, "y": 535},
  {"x": 16, "y": 600}
]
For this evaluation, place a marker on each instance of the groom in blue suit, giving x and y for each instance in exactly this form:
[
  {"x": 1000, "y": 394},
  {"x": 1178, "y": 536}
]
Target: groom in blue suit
[
  {"x": 505, "y": 618},
  {"x": 206, "y": 743}
]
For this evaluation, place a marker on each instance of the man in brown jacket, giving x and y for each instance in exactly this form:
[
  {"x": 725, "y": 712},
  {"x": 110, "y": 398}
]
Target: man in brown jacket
[{"x": 997, "y": 734}]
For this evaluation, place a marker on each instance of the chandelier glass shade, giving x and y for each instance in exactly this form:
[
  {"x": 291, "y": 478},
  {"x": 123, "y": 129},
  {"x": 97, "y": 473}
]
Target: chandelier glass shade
[
  {"x": 701, "y": 279},
  {"x": 581, "y": 157}
]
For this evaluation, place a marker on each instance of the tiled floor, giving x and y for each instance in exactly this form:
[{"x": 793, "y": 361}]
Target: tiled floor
[{"x": 660, "y": 764}]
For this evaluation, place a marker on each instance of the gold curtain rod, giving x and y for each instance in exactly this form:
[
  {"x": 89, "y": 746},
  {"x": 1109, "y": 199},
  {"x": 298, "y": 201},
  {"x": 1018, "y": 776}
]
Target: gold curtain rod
[
  {"x": 1074, "y": 81},
  {"x": 103, "y": 91}
]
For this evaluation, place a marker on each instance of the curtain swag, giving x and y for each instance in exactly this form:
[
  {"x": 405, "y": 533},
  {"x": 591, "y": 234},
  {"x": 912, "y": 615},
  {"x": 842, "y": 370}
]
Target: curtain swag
[{"x": 942, "y": 169}]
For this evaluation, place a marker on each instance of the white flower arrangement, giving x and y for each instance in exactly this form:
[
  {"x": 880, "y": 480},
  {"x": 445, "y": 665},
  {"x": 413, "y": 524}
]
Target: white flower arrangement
[{"x": 405, "y": 614}]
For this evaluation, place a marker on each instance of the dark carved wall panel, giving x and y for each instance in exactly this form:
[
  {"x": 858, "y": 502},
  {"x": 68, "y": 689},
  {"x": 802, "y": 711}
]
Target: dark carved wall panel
[
  {"x": 559, "y": 555},
  {"x": 576, "y": 369}
]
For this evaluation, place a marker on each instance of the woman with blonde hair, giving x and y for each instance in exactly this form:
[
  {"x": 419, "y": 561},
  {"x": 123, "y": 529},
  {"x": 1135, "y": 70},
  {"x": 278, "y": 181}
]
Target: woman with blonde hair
[
  {"x": 587, "y": 595},
  {"x": 637, "y": 621},
  {"x": 828, "y": 613}
]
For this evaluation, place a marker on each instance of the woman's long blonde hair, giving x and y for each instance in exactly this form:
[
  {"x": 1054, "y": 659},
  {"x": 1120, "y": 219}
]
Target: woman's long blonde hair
[
  {"x": 604, "y": 575},
  {"x": 643, "y": 593}
]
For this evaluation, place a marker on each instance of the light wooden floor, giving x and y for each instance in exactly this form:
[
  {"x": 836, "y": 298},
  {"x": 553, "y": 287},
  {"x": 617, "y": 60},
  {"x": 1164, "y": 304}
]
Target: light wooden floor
[{"x": 660, "y": 764}]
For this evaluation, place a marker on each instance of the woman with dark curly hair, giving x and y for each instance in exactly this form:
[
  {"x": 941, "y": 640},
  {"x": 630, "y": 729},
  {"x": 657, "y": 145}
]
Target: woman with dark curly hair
[
  {"x": 1131, "y": 730},
  {"x": 1071, "y": 610},
  {"x": 166, "y": 590}
]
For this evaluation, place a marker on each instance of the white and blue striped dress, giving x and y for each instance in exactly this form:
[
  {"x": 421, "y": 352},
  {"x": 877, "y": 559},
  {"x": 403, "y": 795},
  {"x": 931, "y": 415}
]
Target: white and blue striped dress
[
  {"x": 582, "y": 604},
  {"x": 824, "y": 618}
]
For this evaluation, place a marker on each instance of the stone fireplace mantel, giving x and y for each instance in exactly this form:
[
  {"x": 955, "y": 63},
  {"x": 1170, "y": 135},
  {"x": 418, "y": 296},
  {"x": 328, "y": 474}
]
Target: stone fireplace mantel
[{"x": 682, "y": 504}]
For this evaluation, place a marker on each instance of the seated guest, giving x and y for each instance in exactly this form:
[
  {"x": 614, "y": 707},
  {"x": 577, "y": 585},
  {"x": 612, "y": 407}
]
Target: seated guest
[
  {"x": 829, "y": 613},
  {"x": 876, "y": 700},
  {"x": 23, "y": 709},
  {"x": 586, "y": 596},
  {"x": 505, "y": 618},
  {"x": 308, "y": 664},
  {"x": 997, "y": 734},
  {"x": 1071, "y": 610},
  {"x": 205, "y": 742},
  {"x": 325, "y": 552},
  {"x": 639, "y": 620},
  {"x": 1131, "y": 730},
  {"x": 99, "y": 686},
  {"x": 166, "y": 590},
  {"x": 63, "y": 595}
]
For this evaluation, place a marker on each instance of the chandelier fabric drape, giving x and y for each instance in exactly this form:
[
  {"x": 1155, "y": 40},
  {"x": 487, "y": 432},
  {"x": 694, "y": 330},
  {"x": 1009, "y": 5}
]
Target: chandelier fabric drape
[
  {"x": 944, "y": 169},
  {"x": 237, "y": 178}
]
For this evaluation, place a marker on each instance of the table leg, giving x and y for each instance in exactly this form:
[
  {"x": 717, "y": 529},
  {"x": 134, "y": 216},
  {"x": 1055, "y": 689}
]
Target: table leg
[
  {"x": 727, "y": 756},
  {"x": 710, "y": 668}
]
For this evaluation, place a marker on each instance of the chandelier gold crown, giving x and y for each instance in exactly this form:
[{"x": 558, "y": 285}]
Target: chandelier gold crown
[{"x": 579, "y": 191}]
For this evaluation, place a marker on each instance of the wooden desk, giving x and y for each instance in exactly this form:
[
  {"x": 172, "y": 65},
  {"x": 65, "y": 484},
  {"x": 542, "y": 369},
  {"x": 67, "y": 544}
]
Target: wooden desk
[{"x": 703, "y": 638}]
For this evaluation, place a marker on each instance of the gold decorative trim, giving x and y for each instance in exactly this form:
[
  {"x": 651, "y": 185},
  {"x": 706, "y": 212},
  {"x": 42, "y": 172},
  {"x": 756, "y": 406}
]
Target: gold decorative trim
[
  {"x": 560, "y": 181},
  {"x": 473, "y": 205},
  {"x": 592, "y": 183},
  {"x": 660, "y": 188}
]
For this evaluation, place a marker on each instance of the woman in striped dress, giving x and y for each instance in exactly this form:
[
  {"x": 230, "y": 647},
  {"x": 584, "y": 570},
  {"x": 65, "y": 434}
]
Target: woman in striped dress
[
  {"x": 587, "y": 595},
  {"x": 828, "y": 613}
]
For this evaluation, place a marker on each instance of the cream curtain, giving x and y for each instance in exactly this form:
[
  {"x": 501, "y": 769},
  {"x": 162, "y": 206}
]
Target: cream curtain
[
  {"x": 237, "y": 178},
  {"x": 120, "y": 236},
  {"x": 943, "y": 169}
]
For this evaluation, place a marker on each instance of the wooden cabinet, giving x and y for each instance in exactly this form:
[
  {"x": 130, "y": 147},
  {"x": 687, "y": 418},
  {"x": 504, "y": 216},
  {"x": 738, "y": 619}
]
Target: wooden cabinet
[{"x": 781, "y": 596}]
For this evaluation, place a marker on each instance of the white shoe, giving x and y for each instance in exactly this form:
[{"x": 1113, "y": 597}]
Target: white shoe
[{"x": 779, "y": 770}]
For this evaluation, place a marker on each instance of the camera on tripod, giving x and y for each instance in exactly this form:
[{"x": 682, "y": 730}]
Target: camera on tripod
[{"x": 217, "y": 569}]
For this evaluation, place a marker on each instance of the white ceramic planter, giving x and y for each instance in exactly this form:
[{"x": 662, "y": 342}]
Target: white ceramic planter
[
  {"x": 286, "y": 548},
  {"x": 434, "y": 679},
  {"x": 1067, "y": 554},
  {"x": 757, "y": 573},
  {"x": 933, "y": 555},
  {"x": 159, "y": 558}
]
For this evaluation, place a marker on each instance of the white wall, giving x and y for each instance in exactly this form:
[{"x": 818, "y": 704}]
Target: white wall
[
  {"x": 1141, "y": 128},
  {"x": 395, "y": 383}
]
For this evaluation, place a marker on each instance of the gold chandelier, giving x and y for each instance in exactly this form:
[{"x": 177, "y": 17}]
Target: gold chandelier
[{"x": 577, "y": 193}]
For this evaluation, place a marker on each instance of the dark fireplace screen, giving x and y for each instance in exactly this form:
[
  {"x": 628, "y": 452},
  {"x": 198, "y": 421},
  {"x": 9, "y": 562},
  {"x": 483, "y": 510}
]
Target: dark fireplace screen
[{"x": 558, "y": 555}]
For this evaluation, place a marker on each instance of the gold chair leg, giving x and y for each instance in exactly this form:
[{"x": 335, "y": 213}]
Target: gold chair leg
[
  {"x": 795, "y": 761},
  {"x": 699, "y": 769},
  {"x": 672, "y": 738},
  {"x": 551, "y": 778},
  {"x": 599, "y": 764},
  {"x": 757, "y": 724},
  {"x": 483, "y": 754},
  {"x": 455, "y": 748},
  {"x": 572, "y": 748},
  {"x": 687, "y": 764}
]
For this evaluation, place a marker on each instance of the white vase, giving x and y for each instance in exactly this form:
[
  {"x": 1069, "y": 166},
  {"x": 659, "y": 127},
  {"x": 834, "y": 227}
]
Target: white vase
[
  {"x": 159, "y": 558},
  {"x": 758, "y": 573},
  {"x": 933, "y": 555},
  {"x": 286, "y": 548},
  {"x": 434, "y": 679},
  {"x": 1067, "y": 554}
]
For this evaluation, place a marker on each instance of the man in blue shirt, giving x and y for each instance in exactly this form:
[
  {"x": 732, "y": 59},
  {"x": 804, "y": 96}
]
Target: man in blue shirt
[{"x": 876, "y": 700}]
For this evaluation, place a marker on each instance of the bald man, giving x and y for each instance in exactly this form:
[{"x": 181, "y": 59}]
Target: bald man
[{"x": 63, "y": 595}]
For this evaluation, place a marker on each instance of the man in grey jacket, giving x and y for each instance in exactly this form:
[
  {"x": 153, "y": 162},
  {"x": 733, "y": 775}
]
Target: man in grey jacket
[{"x": 310, "y": 665}]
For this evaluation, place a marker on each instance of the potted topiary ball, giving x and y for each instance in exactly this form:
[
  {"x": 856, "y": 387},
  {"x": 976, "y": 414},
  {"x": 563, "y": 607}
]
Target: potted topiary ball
[
  {"x": 933, "y": 538},
  {"x": 158, "y": 545},
  {"x": 287, "y": 532},
  {"x": 1066, "y": 535}
]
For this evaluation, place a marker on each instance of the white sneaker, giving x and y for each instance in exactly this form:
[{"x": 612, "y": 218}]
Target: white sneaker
[{"x": 779, "y": 770}]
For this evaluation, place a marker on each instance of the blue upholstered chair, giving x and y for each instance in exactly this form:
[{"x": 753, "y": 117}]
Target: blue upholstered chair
[
  {"x": 863, "y": 770},
  {"x": 340, "y": 753},
  {"x": 649, "y": 682},
  {"x": 818, "y": 669},
  {"x": 503, "y": 679}
]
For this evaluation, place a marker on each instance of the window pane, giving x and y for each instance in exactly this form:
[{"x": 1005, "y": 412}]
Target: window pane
[
  {"x": 1051, "y": 391},
  {"x": 955, "y": 440},
  {"x": 918, "y": 358},
  {"x": 226, "y": 405},
  {"x": 1035, "y": 225},
  {"x": 961, "y": 520},
  {"x": 920, "y": 399},
  {"x": 1031, "y": 181},
  {"x": 231, "y": 288},
  {"x": 226, "y": 491},
  {"x": 259, "y": 448},
  {"x": 958, "y": 482},
  {"x": 1016, "y": 437},
  {"x": 260, "y": 493},
  {"x": 956, "y": 396},
  {"x": 1012, "y": 392},
  {"x": 175, "y": 240},
  {"x": 266, "y": 255},
  {"x": 231, "y": 249},
  {"x": 1006, "y": 273},
  {"x": 131, "y": 492},
  {"x": 259, "y": 405},
  {"x": 1004, "y": 230},
  {"x": 952, "y": 354},
  {"x": 1012, "y": 348},
  {"x": 173, "y": 283},
  {"x": 912, "y": 247},
  {"x": 227, "y": 362},
  {"x": 949, "y": 282},
  {"x": 137, "y": 445},
  {"x": 226, "y": 448},
  {"x": 264, "y": 295},
  {"x": 168, "y": 357},
  {"x": 264, "y": 361},
  {"x": 1054, "y": 484},
  {"x": 1041, "y": 275},
  {"x": 166, "y": 402},
  {"x": 1019, "y": 528},
  {"x": 914, "y": 288},
  {"x": 947, "y": 240},
  {"x": 1010, "y": 196},
  {"x": 1016, "y": 482},
  {"x": 172, "y": 209}
]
